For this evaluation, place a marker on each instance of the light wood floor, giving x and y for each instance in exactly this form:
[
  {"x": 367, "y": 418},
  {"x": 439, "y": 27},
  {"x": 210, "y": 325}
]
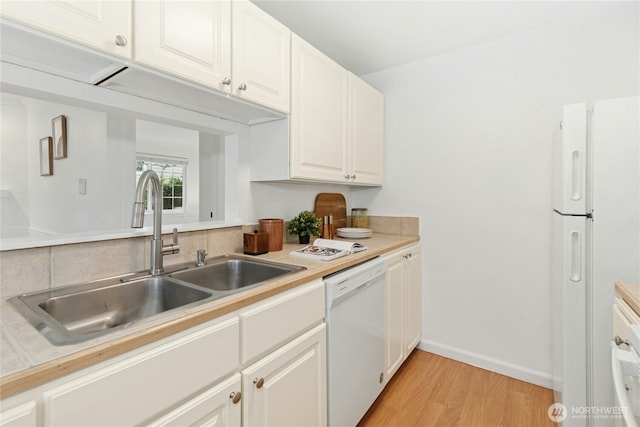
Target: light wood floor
[{"x": 430, "y": 390}]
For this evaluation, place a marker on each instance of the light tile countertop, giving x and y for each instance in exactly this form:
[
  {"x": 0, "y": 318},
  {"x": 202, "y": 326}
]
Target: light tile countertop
[{"x": 27, "y": 359}]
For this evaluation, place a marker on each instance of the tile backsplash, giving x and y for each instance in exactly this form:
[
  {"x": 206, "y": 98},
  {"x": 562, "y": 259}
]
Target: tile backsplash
[{"x": 28, "y": 270}]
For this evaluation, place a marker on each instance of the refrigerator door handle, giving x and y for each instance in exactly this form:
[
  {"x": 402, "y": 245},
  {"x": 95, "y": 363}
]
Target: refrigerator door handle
[
  {"x": 575, "y": 274},
  {"x": 576, "y": 175}
]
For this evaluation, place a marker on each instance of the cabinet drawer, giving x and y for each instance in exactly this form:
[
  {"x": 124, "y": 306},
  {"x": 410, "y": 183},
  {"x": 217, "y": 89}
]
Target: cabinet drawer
[
  {"x": 623, "y": 317},
  {"x": 134, "y": 390},
  {"x": 268, "y": 324},
  {"x": 628, "y": 312}
]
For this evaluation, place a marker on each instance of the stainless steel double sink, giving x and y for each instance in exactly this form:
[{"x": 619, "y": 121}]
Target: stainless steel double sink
[{"x": 76, "y": 313}]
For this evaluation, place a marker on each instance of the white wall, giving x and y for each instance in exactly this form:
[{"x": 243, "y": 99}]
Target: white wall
[
  {"x": 162, "y": 140},
  {"x": 99, "y": 149},
  {"x": 55, "y": 204},
  {"x": 286, "y": 200},
  {"x": 14, "y": 177},
  {"x": 468, "y": 150}
]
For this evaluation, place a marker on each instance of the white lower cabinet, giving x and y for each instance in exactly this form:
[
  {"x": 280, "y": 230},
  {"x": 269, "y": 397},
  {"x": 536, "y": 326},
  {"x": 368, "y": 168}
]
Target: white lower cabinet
[
  {"x": 623, "y": 318},
  {"x": 218, "y": 406},
  {"x": 412, "y": 331},
  {"x": 279, "y": 319},
  {"x": 23, "y": 415},
  {"x": 288, "y": 387},
  {"x": 198, "y": 377},
  {"x": 402, "y": 306},
  {"x": 141, "y": 387},
  {"x": 394, "y": 314}
]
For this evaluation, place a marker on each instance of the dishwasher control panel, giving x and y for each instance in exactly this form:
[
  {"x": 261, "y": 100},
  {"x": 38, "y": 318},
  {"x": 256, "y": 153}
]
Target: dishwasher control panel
[{"x": 347, "y": 280}]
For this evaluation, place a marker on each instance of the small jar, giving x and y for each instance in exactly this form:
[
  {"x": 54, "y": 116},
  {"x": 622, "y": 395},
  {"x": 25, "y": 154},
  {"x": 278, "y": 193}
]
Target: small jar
[{"x": 360, "y": 218}]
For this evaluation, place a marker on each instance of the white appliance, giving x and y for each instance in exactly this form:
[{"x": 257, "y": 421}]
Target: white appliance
[
  {"x": 595, "y": 242},
  {"x": 355, "y": 341},
  {"x": 625, "y": 371}
]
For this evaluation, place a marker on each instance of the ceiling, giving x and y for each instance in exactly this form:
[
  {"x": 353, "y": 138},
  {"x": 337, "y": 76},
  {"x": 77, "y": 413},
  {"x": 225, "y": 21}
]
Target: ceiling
[{"x": 371, "y": 35}]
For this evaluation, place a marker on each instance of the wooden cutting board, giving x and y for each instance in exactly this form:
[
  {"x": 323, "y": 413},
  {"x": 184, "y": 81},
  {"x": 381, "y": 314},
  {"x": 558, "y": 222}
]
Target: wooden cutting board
[{"x": 332, "y": 204}]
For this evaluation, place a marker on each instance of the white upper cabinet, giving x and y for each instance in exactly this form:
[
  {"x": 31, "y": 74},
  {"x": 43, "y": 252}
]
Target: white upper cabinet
[
  {"x": 319, "y": 115},
  {"x": 187, "y": 39},
  {"x": 366, "y": 133},
  {"x": 196, "y": 41},
  {"x": 261, "y": 57},
  {"x": 336, "y": 126},
  {"x": 104, "y": 25}
]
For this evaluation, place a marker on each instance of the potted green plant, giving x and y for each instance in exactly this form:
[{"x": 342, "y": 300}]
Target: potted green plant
[{"x": 305, "y": 225}]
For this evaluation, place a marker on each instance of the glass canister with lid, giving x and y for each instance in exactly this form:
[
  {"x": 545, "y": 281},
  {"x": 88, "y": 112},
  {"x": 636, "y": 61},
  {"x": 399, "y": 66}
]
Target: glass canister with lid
[{"x": 360, "y": 218}]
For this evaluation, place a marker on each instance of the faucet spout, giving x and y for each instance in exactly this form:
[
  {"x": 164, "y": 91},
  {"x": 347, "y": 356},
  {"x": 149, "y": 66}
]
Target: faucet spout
[{"x": 137, "y": 219}]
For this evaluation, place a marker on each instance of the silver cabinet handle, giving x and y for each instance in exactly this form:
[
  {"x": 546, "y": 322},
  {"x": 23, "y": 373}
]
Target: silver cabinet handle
[
  {"x": 259, "y": 382},
  {"x": 235, "y": 397},
  {"x": 620, "y": 341},
  {"x": 121, "y": 41},
  {"x": 226, "y": 81},
  {"x": 242, "y": 86},
  {"x": 353, "y": 176}
]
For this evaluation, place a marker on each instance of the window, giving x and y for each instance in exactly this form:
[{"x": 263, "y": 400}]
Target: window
[{"x": 172, "y": 173}]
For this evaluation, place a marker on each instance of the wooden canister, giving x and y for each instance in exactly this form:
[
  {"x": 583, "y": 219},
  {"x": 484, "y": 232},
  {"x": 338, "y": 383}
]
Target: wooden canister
[
  {"x": 256, "y": 243},
  {"x": 273, "y": 226}
]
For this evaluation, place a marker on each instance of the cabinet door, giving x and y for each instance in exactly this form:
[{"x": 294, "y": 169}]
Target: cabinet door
[
  {"x": 394, "y": 317},
  {"x": 21, "y": 416},
  {"x": 288, "y": 387},
  {"x": 92, "y": 23},
  {"x": 218, "y": 406},
  {"x": 187, "y": 39},
  {"x": 366, "y": 133},
  {"x": 413, "y": 300},
  {"x": 261, "y": 57},
  {"x": 319, "y": 115}
]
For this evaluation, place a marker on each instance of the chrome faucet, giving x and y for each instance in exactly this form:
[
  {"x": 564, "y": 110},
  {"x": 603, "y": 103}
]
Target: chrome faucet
[{"x": 137, "y": 220}]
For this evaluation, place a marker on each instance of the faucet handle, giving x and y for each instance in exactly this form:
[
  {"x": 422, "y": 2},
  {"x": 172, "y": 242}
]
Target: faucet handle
[
  {"x": 200, "y": 256},
  {"x": 173, "y": 248}
]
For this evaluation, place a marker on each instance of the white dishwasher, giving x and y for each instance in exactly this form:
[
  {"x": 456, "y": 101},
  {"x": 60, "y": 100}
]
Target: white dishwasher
[{"x": 355, "y": 341}]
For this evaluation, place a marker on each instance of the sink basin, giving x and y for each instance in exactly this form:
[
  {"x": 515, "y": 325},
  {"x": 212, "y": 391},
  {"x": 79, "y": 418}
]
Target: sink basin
[
  {"x": 77, "y": 313},
  {"x": 232, "y": 273}
]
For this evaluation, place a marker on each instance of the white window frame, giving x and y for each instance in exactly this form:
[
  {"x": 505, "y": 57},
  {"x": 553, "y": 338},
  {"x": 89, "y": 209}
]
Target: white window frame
[{"x": 160, "y": 159}]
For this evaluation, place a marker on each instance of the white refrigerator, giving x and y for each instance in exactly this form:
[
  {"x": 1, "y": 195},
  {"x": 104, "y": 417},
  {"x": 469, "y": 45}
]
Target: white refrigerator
[{"x": 595, "y": 242}]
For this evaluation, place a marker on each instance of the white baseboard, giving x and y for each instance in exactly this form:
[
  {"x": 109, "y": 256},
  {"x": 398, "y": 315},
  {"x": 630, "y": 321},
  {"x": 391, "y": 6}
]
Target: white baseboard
[{"x": 494, "y": 365}]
